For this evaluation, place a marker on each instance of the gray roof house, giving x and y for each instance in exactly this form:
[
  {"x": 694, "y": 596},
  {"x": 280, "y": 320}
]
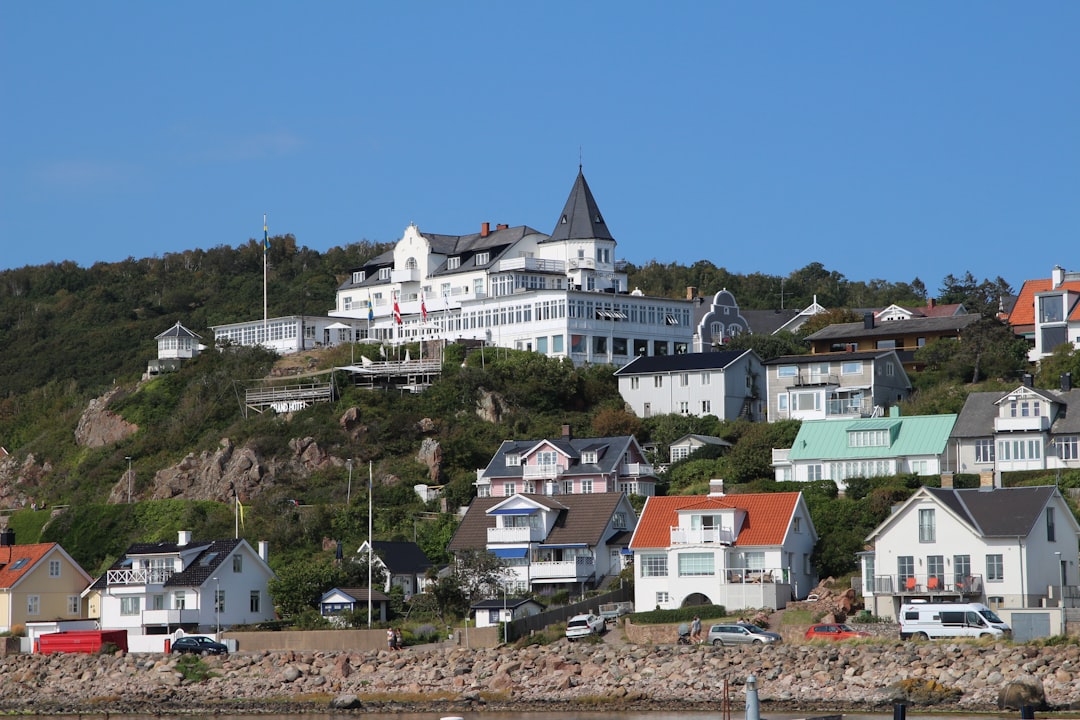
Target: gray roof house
[
  {"x": 404, "y": 563},
  {"x": 1005, "y": 547},
  {"x": 729, "y": 384},
  {"x": 823, "y": 386}
]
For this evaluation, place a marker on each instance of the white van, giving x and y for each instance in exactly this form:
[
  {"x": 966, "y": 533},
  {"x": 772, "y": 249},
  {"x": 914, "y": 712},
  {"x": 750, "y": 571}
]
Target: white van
[{"x": 924, "y": 621}]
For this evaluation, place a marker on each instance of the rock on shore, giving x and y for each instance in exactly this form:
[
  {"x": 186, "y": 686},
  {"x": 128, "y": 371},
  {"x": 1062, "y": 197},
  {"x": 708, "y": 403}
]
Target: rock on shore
[{"x": 806, "y": 677}]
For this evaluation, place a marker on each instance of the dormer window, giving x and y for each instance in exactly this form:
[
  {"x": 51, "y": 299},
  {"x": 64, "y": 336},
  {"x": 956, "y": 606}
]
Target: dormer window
[
  {"x": 868, "y": 438},
  {"x": 588, "y": 457},
  {"x": 384, "y": 273},
  {"x": 513, "y": 459},
  {"x": 483, "y": 258},
  {"x": 359, "y": 276},
  {"x": 453, "y": 263}
]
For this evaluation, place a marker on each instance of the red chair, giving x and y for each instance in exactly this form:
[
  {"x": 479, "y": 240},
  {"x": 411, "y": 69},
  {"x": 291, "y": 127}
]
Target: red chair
[
  {"x": 910, "y": 583},
  {"x": 932, "y": 584}
]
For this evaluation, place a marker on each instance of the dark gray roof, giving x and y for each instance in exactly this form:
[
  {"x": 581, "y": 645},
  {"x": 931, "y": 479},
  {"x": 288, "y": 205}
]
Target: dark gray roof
[
  {"x": 582, "y": 519},
  {"x": 177, "y": 330},
  {"x": 358, "y": 594},
  {"x": 976, "y": 418},
  {"x": 678, "y": 363},
  {"x": 500, "y": 602},
  {"x": 402, "y": 558},
  {"x": 826, "y": 357},
  {"x": 706, "y": 439},
  {"x": 609, "y": 453},
  {"x": 766, "y": 322},
  {"x": 580, "y": 218},
  {"x": 1000, "y": 512},
  {"x": 929, "y": 325},
  {"x": 198, "y": 571}
]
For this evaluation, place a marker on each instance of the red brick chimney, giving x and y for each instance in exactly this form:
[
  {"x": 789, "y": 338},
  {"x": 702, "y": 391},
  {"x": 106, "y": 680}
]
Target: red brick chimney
[
  {"x": 485, "y": 229},
  {"x": 502, "y": 226},
  {"x": 930, "y": 303}
]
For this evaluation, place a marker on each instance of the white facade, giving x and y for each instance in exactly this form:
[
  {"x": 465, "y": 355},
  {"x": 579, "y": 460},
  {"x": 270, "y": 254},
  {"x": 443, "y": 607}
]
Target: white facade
[
  {"x": 291, "y": 333},
  {"x": 835, "y": 385},
  {"x": 726, "y": 384}
]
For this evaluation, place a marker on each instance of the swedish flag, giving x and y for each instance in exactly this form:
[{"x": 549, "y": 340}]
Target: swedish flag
[{"x": 266, "y": 236}]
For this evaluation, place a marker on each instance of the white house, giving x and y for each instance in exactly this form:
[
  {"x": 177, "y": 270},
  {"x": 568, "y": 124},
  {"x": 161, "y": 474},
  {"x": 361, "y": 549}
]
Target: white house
[
  {"x": 728, "y": 384},
  {"x": 1005, "y": 547},
  {"x": 403, "y": 564},
  {"x": 291, "y": 333},
  {"x": 336, "y": 601},
  {"x": 1023, "y": 429},
  {"x": 687, "y": 444},
  {"x": 563, "y": 295},
  {"x": 740, "y": 551},
  {"x": 550, "y": 543},
  {"x": 202, "y": 586},
  {"x": 823, "y": 386},
  {"x": 492, "y": 611},
  {"x": 174, "y": 346},
  {"x": 1047, "y": 312}
]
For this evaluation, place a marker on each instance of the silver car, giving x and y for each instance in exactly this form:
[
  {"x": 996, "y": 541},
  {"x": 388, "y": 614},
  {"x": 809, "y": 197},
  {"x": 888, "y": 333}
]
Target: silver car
[
  {"x": 581, "y": 626},
  {"x": 740, "y": 634}
]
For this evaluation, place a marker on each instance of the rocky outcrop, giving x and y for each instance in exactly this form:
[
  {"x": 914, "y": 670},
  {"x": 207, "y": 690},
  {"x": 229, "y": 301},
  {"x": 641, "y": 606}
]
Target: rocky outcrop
[
  {"x": 867, "y": 677},
  {"x": 431, "y": 455},
  {"x": 489, "y": 406},
  {"x": 99, "y": 426}
]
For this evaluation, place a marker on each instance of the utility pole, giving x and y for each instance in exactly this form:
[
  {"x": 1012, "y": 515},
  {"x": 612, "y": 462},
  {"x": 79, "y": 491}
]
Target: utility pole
[{"x": 128, "y": 458}]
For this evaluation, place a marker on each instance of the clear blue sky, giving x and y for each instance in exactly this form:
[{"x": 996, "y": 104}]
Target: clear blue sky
[{"x": 883, "y": 139}]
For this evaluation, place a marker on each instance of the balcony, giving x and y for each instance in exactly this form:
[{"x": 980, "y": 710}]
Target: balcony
[
  {"x": 151, "y": 576},
  {"x": 1036, "y": 423},
  {"x": 169, "y": 617},
  {"x": 576, "y": 570},
  {"x": 497, "y": 535},
  {"x": 756, "y": 576},
  {"x": 541, "y": 472},
  {"x": 581, "y": 263},
  {"x": 922, "y": 584},
  {"x": 405, "y": 275},
  {"x": 856, "y": 407},
  {"x": 530, "y": 264},
  {"x": 781, "y": 456},
  {"x": 813, "y": 378},
  {"x": 700, "y": 536},
  {"x": 636, "y": 470}
]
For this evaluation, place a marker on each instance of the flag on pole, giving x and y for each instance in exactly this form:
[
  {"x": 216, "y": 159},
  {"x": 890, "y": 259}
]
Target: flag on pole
[
  {"x": 266, "y": 236},
  {"x": 370, "y": 310},
  {"x": 240, "y": 507},
  {"x": 423, "y": 308},
  {"x": 382, "y": 351},
  {"x": 397, "y": 310}
]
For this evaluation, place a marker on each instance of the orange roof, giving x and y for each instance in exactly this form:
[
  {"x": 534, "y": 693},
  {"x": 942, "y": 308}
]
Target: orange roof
[
  {"x": 1023, "y": 312},
  {"x": 10, "y": 556},
  {"x": 768, "y": 516}
]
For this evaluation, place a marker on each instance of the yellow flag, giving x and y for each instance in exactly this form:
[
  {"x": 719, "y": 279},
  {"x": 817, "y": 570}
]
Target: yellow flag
[{"x": 240, "y": 507}]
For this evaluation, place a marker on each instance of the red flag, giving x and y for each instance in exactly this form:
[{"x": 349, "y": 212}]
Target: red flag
[
  {"x": 423, "y": 309},
  {"x": 397, "y": 311}
]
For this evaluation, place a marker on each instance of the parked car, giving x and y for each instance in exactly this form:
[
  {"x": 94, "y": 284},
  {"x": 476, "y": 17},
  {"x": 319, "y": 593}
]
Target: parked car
[
  {"x": 740, "y": 634},
  {"x": 834, "y": 631},
  {"x": 200, "y": 645},
  {"x": 581, "y": 626}
]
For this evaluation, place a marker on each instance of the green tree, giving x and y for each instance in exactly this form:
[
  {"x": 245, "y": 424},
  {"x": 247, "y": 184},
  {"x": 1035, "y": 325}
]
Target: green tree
[
  {"x": 768, "y": 347},
  {"x": 1064, "y": 359},
  {"x": 751, "y": 458},
  {"x": 300, "y": 584}
]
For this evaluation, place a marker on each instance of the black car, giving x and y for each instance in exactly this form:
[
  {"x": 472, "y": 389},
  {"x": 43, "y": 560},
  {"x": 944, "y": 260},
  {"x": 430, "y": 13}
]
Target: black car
[{"x": 199, "y": 644}]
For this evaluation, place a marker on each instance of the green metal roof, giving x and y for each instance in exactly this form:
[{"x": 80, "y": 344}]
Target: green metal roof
[{"x": 915, "y": 435}]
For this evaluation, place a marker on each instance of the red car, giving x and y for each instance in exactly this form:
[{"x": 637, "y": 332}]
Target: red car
[{"x": 834, "y": 631}]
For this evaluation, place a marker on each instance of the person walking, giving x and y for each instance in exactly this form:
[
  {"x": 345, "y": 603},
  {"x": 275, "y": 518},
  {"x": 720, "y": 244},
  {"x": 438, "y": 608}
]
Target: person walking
[{"x": 695, "y": 630}]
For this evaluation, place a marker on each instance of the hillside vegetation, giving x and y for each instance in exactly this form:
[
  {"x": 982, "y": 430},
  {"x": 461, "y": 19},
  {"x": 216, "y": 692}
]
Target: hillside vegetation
[{"x": 72, "y": 334}]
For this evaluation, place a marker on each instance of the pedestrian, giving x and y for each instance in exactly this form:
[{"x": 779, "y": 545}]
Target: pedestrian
[
  {"x": 695, "y": 629},
  {"x": 398, "y": 643},
  {"x": 390, "y": 638}
]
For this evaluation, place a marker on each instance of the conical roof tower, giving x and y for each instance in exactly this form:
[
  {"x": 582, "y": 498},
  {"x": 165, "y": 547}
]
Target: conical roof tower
[{"x": 580, "y": 218}]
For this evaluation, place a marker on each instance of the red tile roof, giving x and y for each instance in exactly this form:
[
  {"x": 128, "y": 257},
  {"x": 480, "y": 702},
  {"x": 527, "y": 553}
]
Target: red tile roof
[
  {"x": 11, "y": 554},
  {"x": 1023, "y": 312},
  {"x": 768, "y": 516}
]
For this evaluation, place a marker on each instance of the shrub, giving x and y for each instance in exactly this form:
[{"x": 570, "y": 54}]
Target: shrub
[
  {"x": 193, "y": 668},
  {"x": 684, "y": 614}
]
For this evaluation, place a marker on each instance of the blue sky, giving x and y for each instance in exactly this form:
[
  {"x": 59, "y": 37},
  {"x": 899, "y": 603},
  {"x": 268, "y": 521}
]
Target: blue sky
[{"x": 884, "y": 140}]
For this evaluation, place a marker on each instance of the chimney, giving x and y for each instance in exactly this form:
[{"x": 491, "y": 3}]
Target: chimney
[
  {"x": 1028, "y": 379},
  {"x": 184, "y": 538},
  {"x": 1057, "y": 276},
  {"x": 485, "y": 229},
  {"x": 1066, "y": 382},
  {"x": 264, "y": 551},
  {"x": 986, "y": 480},
  {"x": 868, "y": 321},
  {"x": 7, "y": 537},
  {"x": 946, "y": 481},
  {"x": 716, "y": 487},
  {"x": 502, "y": 226},
  {"x": 691, "y": 292},
  {"x": 930, "y": 303},
  {"x": 566, "y": 432}
]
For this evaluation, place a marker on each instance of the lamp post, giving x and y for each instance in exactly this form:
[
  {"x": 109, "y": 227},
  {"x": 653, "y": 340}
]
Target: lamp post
[
  {"x": 128, "y": 458},
  {"x": 506, "y": 621},
  {"x": 348, "y": 494},
  {"x": 217, "y": 609},
  {"x": 1061, "y": 589}
]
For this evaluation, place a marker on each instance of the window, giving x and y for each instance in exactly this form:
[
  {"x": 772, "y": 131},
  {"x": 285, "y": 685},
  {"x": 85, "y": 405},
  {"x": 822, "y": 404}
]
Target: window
[
  {"x": 359, "y": 276},
  {"x": 786, "y": 371},
  {"x": 54, "y": 568},
  {"x": 961, "y": 569},
  {"x": 927, "y": 526},
  {"x": 157, "y": 602},
  {"x": 706, "y": 407},
  {"x": 180, "y": 600},
  {"x": 1050, "y": 524},
  {"x": 634, "y": 383},
  {"x": 588, "y": 457},
  {"x": 868, "y": 575},
  {"x": 658, "y": 381},
  {"x": 905, "y": 568},
  {"x": 706, "y": 378},
  {"x": 679, "y": 452},
  {"x": 618, "y": 520},
  {"x": 684, "y": 407},
  {"x": 851, "y": 367},
  {"x": 483, "y": 258},
  {"x": 1051, "y": 309},
  {"x": 796, "y": 524},
  {"x": 513, "y": 459},
  {"x": 654, "y": 566},
  {"x": 935, "y": 570},
  {"x": 984, "y": 451},
  {"x": 1067, "y": 447},
  {"x": 219, "y": 600},
  {"x": 806, "y": 401},
  {"x": 453, "y": 263},
  {"x": 130, "y": 605},
  {"x": 684, "y": 379},
  {"x": 995, "y": 569},
  {"x": 74, "y": 605},
  {"x": 813, "y": 472},
  {"x": 696, "y": 564},
  {"x": 384, "y": 273},
  {"x": 509, "y": 489},
  {"x": 238, "y": 563},
  {"x": 586, "y": 487},
  {"x": 33, "y": 604},
  {"x": 255, "y": 602},
  {"x": 781, "y": 403},
  {"x": 885, "y": 344}
]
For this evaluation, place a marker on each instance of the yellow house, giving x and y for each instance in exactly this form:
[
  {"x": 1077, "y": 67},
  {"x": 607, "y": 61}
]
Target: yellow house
[{"x": 38, "y": 582}]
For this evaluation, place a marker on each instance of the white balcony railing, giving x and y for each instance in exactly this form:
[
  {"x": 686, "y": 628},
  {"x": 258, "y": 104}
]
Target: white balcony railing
[
  {"x": 569, "y": 570},
  {"x": 781, "y": 455},
  {"x": 1039, "y": 423},
  {"x": 153, "y": 576},
  {"x": 699, "y": 536},
  {"x": 532, "y": 265},
  {"x": 636, "y": 470},
  {"x": 406, "y": 275},
  {"x": 537, "y": 472},
  {"x": 514, "y": 535}
]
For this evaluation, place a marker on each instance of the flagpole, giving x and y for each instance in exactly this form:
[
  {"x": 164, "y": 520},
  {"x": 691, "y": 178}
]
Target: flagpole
[
  {"x": 236, "y": 515},
  {"x": 370, "y": 544},
  {"x": 266, "y": 251}
]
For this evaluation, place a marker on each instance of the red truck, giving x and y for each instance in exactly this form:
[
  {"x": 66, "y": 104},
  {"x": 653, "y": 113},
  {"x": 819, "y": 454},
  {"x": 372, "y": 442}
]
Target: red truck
[{"x": 81, "y": 641}]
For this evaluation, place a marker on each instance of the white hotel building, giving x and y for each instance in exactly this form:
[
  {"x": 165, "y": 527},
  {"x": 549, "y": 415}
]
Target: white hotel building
[{"x": 563, "y": 294}]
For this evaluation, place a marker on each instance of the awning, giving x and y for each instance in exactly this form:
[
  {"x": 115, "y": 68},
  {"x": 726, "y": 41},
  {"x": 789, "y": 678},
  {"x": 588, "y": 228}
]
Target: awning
[
  {"x": 512, "y": 511},
  {"x": 564, "y": 545},
  {"x": 626, "y": 551},
  {"x": 507, "y": 553}
]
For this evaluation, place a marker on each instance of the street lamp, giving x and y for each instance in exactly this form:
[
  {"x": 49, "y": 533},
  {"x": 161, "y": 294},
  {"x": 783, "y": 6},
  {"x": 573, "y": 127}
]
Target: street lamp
[
  {"x": 217, "y": 609},
  {"x": 128, "y": 458},
  {"x": 348, "y": 495},
  {"x": 505, "y": 619}
]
